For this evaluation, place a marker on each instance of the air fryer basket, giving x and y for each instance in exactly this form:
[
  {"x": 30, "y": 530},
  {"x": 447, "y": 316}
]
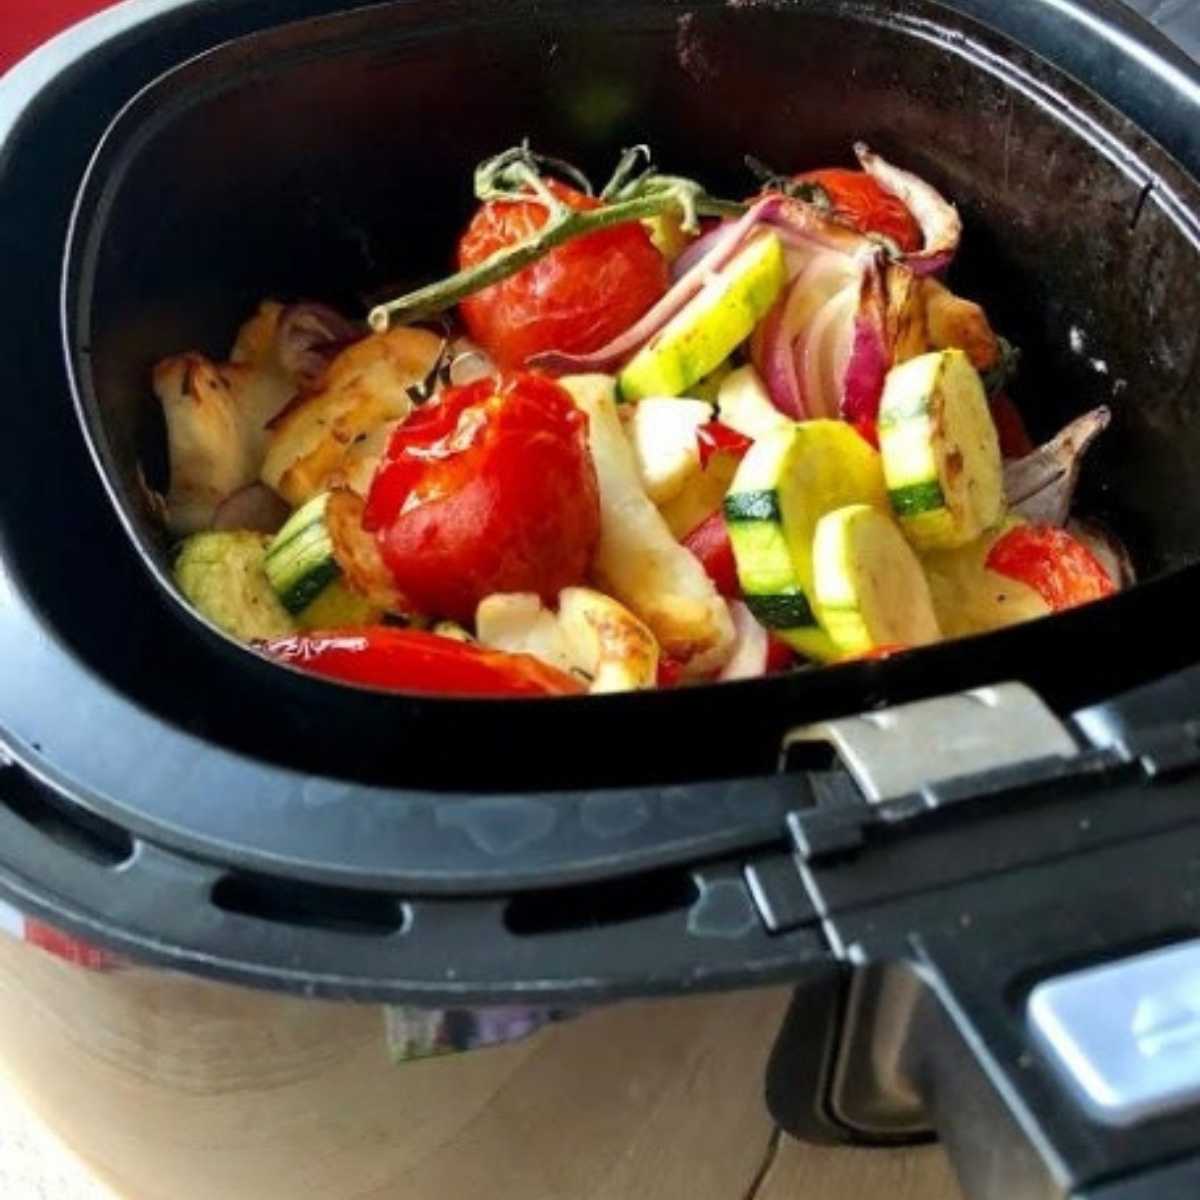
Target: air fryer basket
[{"x": 165, "y": 792}]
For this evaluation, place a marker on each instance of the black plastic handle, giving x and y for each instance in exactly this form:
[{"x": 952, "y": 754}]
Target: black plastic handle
[{"x": 945, "y": 933}]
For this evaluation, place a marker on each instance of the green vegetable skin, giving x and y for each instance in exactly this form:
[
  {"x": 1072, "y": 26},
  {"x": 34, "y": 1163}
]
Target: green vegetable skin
[
  {"x": 788, "y": 480},
  {"x": 703, "y": 333},
  {"x": 221, "y": 574},
  {"x": 304, "y": 571}
]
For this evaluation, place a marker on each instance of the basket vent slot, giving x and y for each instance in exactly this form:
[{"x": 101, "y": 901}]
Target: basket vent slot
[
  {"x": 69, "y": 825},
  {"x": 310, "y": 905},
  {"x": 611, "y": 902}
]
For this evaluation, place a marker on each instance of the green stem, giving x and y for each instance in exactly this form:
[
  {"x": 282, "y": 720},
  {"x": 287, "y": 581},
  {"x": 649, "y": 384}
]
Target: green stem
[{"x": 560, "y": 227}]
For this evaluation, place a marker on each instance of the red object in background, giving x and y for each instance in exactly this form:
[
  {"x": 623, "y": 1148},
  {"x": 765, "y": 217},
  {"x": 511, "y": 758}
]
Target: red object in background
[{"x": 26, "y": 24}]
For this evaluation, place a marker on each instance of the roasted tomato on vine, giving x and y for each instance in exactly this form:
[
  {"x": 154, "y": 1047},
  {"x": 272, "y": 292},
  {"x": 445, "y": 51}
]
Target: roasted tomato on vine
[
  {"x": 576, "y": 298},
  {"x": 489, "y": 489},
  {"x": 861, "y": 202}
]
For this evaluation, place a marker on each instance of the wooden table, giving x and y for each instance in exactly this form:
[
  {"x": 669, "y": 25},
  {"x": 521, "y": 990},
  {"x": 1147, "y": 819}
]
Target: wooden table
[{"x": 172, "y": 1089}]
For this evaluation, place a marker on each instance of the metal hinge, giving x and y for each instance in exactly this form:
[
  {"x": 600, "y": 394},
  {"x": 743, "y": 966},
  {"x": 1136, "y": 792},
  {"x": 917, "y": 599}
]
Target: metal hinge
[
  {"x": 893, "y": 767},
  {"x": 918, "y": 758}
]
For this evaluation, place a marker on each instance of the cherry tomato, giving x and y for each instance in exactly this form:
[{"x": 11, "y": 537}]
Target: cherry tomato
[
  {"x": 1060, "y": 568},
  {"x": 1015, "y": 441},
  {"x": 576, "y": 298},
  {"x": 490, "y": 489},
  {"x": 409, "y": 660},
  {"x": 716, "y": 438},
  {"x": 858, "y": 199},
  {"x": 710, "y": 543}
]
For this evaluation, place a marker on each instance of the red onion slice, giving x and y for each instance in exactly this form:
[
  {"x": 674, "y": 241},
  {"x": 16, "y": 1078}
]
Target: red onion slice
[
  {"x": 309, "y": 337},
  {"x": 938, "y": 218},
  {"x": 696, "y": 250},
  {"x": 750, "y": 648},
  {"x": 871, "y": 352},
  {"x": 1041, "y": 486},
  {"x": 254, "y": 507},
  {"x": 779, "y": 352},
  {"x": 725, "y": 245},
  {"x": 826, "y": 353}
]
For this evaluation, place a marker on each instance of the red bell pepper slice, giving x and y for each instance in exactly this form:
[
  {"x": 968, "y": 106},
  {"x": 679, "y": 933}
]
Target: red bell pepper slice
[{"x": 410, "y": 660}]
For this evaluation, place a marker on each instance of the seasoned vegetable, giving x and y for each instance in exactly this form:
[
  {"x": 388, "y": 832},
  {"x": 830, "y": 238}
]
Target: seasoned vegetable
[
  {"x": 518, "y": 622},
  {"x": 869, "y": 588},
  {"x": 702, "y": 495},
  {"x": 303, "y": 568},
  {"x": 1041, "y": 485},
  {"x": 409, "y": 660},
  {"x": 576, "y": 298},
  {"x": 637, "y": 560},
  {"x": 807, "y": 460},
  {"x": 300, "y": 562},
  {"x": 366, "y": 385},
  {"x": 711, "y": 545},
  {"x": 861, "y": 201},
  {"x": 211, "y": 450},
  {"x": 969, "y": 597},
  {"x": 491, "y": 489},
  {"x": 786, "y": 483},
  {"x": 222, "y": 575},
  {"x": 1059, "y": 567},
  {"x": 940, "y": 453},
  {"x": 607, "y": 641},
  {"x": 743, "y": 404},
  {"x": 664, "y": 436},
  {"x": 703, "y": 333}
]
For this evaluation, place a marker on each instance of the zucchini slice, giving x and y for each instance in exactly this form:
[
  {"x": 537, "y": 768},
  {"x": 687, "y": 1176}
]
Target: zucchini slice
[
  {"x": 869, "y": 586},
  {"x": 719, "y": 317},
  {"x": 221, "y": 574},
  {"x": 787, "y": 482},
  {"x": 303, "y": 568},
  {"x": 300, "y": 562},
  {"x": 941, "y": 455}
]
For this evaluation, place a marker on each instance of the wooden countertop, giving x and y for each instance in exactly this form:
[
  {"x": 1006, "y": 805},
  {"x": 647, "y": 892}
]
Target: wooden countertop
[{"x": 171, "y": 1089}]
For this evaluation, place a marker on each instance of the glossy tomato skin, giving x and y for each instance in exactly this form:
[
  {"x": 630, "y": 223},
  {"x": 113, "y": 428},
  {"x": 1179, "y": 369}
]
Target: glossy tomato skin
[
  {"x": 576, "y": 298},
  {"x": 490, "y": 489},
  {"x": 861, "y": 202},
  {"x": 410, "y": 660},
  {"x": 1059, "y": 567}
]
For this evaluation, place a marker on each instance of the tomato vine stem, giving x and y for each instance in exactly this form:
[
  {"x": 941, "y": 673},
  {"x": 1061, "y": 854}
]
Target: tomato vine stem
[{"x": 516, "y": 176}]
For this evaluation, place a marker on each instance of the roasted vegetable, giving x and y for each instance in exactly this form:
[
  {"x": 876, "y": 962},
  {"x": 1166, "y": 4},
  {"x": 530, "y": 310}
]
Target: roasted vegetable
[
  {"x": 364, "y": 387},
  {"x": 1041, "y": 486},
  {"x": 409, "y": 660},
  {"x": 607, "y": 642},
  {"x": 638, "y": 561},
  {"x": 869, "y": 588},
  {"x": 787, "y": 482},
  {"x": 490, "y": 489},
  {"x": 940, "y": 452},
  {"x": 518, "y": 622},
  {"x": 222, "y": 575},
  {"x": 663, "y": 434}
]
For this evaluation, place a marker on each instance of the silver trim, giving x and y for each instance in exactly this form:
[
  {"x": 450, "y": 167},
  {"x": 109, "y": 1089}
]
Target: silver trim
[{"x": 897, "y": 751}]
